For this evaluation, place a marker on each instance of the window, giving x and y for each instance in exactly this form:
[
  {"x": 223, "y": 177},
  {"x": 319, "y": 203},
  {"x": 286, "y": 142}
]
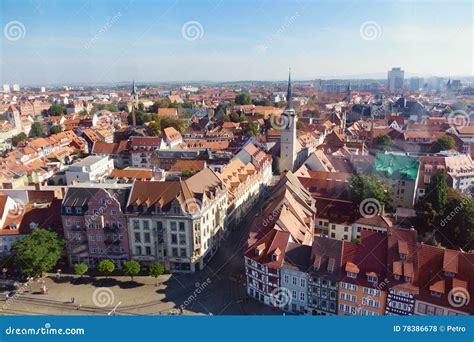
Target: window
[
  {"x": 349, "y": 297},
  {"x": 181, "y": 227},
  {"x": 293, "y": 294},
  {"x": 302, "y": 297},
  {"x": 114, "y": 212},
  {"x": 352, "y": 275},
  {"x": 182, "y": 252},
  {"x": 173, "y": 226},
  {"x": 146, "y": 225},
  {"x": 148, "y": 250},
  {"x": 147, "y": 237},
  {"x": 372, "y": 292},
  {"x": 372, "y": 279},
  {"x": 174, "y": 239},
  {"x": 138, "y": 250},
  {"x": 68, "y": 210},
  {"x": 286, "y": 278},
  {"x": 436, "y": 294},
  {"x": 174, "y": 252},
  {"x": 137, "y": 237},
  {"x": 182, "y": 239},
  {"x": 295, "y": 280},
  {"x": 303, "y": 282},
  {"x": 136, "y": 224}
]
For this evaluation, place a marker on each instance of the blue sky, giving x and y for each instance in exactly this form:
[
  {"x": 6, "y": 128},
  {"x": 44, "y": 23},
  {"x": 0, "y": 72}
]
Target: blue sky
[{"x": 108, "y": 41}]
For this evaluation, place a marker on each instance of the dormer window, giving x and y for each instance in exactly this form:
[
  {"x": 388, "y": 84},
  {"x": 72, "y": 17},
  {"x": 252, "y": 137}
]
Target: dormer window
[
  {"x": 396, "y": 276},
  {"x": 408, "y": 279},
  {"x": 436, "y": 294},
  {"x": 403, "y": 256},
  {"x": 371, "y": 277},
  {"x": 449, "y": 274},
  {"x": 68, "y": 210},
  {"x": 79, "y": 210},
  {"x": 352, "y": 275},
  {"x": 276, "y": 254}
]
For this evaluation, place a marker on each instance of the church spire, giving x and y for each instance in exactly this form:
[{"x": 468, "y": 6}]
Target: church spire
[
  {"x": 134, "y": 89},
  {"x": 289, "y": 93}
]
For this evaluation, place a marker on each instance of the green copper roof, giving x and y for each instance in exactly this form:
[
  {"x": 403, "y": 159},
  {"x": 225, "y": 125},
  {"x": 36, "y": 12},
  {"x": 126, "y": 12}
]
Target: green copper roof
[{"x": 397, "y": 166}]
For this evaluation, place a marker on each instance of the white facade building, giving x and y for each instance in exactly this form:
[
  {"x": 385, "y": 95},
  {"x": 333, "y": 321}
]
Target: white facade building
[{"x": 89, "y": 170}]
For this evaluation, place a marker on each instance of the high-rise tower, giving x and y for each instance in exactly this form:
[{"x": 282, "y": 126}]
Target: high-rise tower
[{"x": 288, "y": 133}]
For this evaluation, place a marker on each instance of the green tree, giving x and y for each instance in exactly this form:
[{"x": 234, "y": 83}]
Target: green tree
[
  {"x": 56, "y": 110},
  {"x": 106, "y": 267},
  {"x": 444, "y": 143},
  {"x": 178, "y": 124},
  {"x": 17, "y": 139},
  {"x": 243, "y": 99},
  {"x": 112, "y": 107},
  {"x": 437, "y": 192},
  {"x": 187, "y": 173},
  {"x": 383, "y": 142},
  {"x": 457, "y": 225},
  {"x": 36, "y": 129},
  {"x": 262, "y": 102},
  {"x": 254, "y": 129},
  {"x": 80, "y": 269},
  {"x": 55, "y": 129},
  {"x": 38, "y": 252},
  {"x": 364, "y": 187},
  {"x": 131, "y": 268},
  {"x": 234, "y": 117},
  {"x": 155, "y": 270},
  {"x": 155, "y": 127},
  {"x": 426, "y": 221}
]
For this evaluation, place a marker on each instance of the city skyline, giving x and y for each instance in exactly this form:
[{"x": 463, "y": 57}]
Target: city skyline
[{"x": 81, "y": 42}]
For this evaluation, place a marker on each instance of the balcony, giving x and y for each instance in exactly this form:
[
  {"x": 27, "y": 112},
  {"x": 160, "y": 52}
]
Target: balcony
[
  {"x": 112, "y": 242},
  {"x": 109, "y": 229}
]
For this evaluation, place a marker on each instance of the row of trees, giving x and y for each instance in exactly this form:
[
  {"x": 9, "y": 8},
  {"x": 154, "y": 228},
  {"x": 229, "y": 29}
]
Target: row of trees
[
  {"x": 41, "y": 250},
  {"x": 130, "y": 268},
  {"x": 444, "y": 143}
]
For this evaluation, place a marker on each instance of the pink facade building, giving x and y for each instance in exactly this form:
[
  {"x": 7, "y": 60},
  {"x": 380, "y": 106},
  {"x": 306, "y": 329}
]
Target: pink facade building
[{"x": 95, "y": 226}]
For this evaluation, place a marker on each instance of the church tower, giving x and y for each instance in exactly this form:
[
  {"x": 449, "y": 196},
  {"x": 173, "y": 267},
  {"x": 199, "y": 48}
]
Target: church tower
[
  {"x": 134, "y": 100},
  {"x": 288, "y": 133}
]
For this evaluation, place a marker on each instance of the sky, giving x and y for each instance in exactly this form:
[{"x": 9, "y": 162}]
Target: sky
[{"x": 45, "y": 42}]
